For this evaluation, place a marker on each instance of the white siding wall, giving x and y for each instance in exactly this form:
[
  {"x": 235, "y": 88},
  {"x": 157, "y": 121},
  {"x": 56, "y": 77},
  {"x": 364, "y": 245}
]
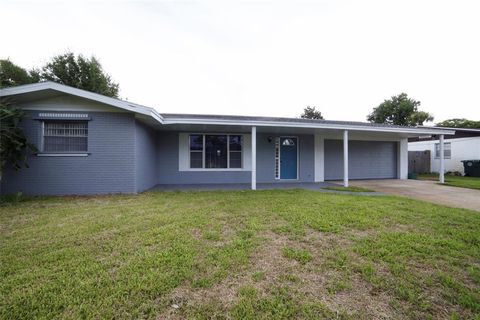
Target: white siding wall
[{"x": 462, "y": 149}]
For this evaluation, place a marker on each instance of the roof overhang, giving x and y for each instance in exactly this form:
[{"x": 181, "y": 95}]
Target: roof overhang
[
  {"x": 49, "y": 87},
  {"x": 414, "y": 131},
  {"x": 166, "y": 121}
]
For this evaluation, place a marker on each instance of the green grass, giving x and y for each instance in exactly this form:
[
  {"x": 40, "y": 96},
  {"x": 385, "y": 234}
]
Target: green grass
[
  {"x": 454, "y": 181},
  {"x": 277, "y": 254},
  {"x": 301, "y": 256},
  {"x": 349, "y": 189}
]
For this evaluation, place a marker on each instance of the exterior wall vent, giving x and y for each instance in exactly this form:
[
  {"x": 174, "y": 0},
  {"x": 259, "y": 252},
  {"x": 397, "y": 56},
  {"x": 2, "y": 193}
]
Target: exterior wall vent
[{"x": 63, "y": 115}]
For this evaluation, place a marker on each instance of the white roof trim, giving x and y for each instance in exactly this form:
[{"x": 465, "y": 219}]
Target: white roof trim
[
  {"x": 205, "y": 121},
  {"x": 83, "y": 94},
  {"x": 424, "y": 130}
]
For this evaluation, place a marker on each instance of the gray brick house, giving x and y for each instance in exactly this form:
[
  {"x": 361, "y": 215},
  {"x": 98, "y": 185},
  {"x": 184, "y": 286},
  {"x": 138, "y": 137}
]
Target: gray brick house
[{"x": 92, "y": 144}]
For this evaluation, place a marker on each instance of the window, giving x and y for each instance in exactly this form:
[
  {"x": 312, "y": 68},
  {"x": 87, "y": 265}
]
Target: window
[
  {"x": 196, "y": 151},
  {"x": 447, "y": 150},
  {"x": 61, "y": 136},
  {"x": 277, "y": 158},
  {"x": 215, "y": 151},
  {"x": 288, "y": 142}
]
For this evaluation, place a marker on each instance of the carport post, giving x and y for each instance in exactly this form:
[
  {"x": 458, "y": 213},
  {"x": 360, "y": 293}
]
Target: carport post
[
  {"x": 442, "y": 161},
  {"x": 254, "y": 158},
  {"x": 345, "y": 158}
]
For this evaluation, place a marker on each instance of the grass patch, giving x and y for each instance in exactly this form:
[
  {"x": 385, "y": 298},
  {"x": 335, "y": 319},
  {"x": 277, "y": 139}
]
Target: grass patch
[
  {"x": 454, "y": 181},
  {"x": 349, "y": 189},
  {"x": 281, "y": 303},
  {"x": 130, "y": 256},
  {"x": 299, "y": 255}
]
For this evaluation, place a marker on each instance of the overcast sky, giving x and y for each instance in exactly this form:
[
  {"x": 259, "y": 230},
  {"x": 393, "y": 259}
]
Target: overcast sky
[{"x": 264, "y": 57}]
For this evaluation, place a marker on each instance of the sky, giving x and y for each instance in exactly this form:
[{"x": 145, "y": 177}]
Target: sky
[{"x": 267, "y": 58}]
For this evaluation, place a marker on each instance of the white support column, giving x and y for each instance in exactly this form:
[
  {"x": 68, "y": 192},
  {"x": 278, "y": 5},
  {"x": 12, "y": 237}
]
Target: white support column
[
  {"x": 442, "y": 161},
  {"x": 345, "y": 158},
  {"x": 402, "y": 156},
  {"x": 254, "y": 158},
  {"x": 319, "y": 166}
]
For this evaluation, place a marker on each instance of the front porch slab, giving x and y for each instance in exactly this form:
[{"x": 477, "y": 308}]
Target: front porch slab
[{"x": 244, "y": 186}]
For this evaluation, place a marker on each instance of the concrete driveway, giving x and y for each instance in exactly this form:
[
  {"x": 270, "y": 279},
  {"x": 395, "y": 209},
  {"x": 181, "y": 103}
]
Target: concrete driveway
[{"x": 425, "y": 190}]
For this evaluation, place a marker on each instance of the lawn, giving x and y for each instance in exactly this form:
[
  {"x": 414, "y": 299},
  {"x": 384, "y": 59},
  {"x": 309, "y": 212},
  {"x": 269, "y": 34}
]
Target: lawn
[
  {"x": 276, "y": 254},
  {"x": 454, "y": 181},
  {"x": 348, "y": 189}
]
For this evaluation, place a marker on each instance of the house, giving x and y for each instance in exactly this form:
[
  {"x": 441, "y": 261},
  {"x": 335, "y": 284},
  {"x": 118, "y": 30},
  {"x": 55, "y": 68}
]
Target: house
[
  {"x": 463, "y": 145},
  {"x": 92, "y": 144}
]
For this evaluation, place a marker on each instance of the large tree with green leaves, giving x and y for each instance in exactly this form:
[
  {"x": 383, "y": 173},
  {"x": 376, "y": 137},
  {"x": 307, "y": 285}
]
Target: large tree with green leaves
[
  {"x": 399, "y": 110},
  {"x": 80, "y": 72},
  {"x": 311, "y": 113},
  {"x": 459, "y": 123},
  {"x": 13, "y": 75},
  {"x": 13, "y": 143},
  {"x": 69, "y": 69}
]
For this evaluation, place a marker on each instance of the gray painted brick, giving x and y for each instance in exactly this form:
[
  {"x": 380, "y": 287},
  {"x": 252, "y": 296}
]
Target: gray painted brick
[
  {"x": 110, "y": 167},
  {"x": 145, "y": 157},
  {"x": 167, "y": 142}
]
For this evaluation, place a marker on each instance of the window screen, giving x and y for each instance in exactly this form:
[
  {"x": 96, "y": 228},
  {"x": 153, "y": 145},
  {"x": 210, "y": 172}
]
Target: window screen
[
  {"x": 235, "y": 150},
  {"x": 60, "y": 136},
  {"x": 196, "y": 151}
]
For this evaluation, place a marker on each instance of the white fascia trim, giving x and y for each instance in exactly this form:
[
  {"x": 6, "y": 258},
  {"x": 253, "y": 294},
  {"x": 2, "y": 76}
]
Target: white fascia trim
[
  {"x": 446, "y": 140},
  {"x": 83, "y": 94},
  {"x": 303, "y": 125}
]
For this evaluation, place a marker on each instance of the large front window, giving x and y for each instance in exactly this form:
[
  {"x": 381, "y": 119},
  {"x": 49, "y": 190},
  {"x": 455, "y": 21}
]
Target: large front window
[{"x": 215, "y": 151}]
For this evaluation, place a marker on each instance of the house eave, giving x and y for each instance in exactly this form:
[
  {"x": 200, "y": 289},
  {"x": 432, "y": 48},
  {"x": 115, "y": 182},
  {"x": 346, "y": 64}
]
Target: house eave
[
  {"x": 406, "y": 130},
  {"x": 48, "y": 85}
]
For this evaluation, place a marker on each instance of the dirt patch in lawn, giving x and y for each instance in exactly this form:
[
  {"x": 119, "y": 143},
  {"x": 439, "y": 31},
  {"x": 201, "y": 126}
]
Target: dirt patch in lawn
[{"x": 319, "y": 280}]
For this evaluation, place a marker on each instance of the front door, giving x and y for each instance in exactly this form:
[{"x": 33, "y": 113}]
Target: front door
[{"x": 288, "y": 158}]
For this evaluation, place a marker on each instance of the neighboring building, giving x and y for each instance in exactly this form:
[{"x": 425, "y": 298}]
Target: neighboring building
[
  {"x": 92, "y": 144},
  {"x": 463, "y": 145}
]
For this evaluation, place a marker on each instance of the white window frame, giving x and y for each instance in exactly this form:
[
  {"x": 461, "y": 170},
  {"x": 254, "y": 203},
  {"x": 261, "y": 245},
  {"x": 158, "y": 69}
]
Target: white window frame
[
  {"x": 203, "y": 168},
  {"x": 447, "y": 146}
]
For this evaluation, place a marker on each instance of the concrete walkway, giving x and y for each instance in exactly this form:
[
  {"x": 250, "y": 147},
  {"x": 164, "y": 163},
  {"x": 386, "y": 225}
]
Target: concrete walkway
[{"x": 425, "y": 190}]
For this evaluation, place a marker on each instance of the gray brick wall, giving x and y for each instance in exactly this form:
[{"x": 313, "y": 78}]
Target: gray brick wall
[
  {"x": 145, "y": 157},
  {"x": 168, "y": 172},
  {"x": 109, "y": 168}
]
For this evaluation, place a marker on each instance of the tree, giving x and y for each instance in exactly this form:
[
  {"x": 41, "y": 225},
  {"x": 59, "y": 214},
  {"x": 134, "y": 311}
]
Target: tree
[
  {"x": 13, "y": 75},
  {"x": 399, "y": 110},
  {"x": 13, "y": 143},
  {"x": 80, "y": 72},
  {"x": 311, "y": 113},
  {"x": 459, "y": 123},
  {"x": 76, "y": 71}
]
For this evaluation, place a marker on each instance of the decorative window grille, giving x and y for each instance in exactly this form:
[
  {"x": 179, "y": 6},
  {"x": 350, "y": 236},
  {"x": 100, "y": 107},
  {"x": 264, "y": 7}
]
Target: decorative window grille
[
  {"x": 277, "y": 158},
  {"x": 62, "y": 136},
  {"x": 447, "y": 150}
]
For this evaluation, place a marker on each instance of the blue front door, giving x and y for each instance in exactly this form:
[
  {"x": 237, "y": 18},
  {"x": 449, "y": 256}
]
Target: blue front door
[{"x": 288, "y": 158}]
